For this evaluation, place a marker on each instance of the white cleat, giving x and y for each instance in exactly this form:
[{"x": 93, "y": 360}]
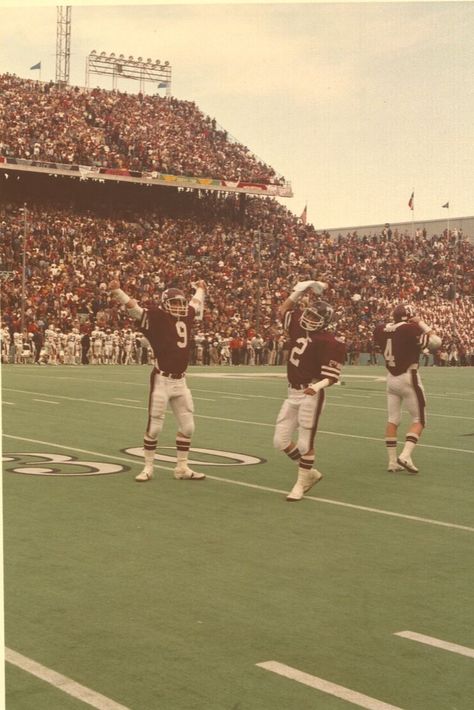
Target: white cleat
[
  {"x": 187, "y": 474},
  {"x": 407, "y": 464},
  {"x": 393, "y": 467},
  {"x": 145, "y": 475},
  {"x": 305, "y": 481}
]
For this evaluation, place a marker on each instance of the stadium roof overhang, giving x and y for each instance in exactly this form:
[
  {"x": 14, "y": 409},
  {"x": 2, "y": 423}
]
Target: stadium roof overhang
[{"x": 90, "y": 172}]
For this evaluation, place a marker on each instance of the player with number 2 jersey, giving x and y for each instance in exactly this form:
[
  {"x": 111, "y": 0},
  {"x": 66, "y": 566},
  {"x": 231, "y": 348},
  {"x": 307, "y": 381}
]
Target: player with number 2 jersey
[
  {"x": 314, "y": 362},
  {"x": 168, "y": 328}
]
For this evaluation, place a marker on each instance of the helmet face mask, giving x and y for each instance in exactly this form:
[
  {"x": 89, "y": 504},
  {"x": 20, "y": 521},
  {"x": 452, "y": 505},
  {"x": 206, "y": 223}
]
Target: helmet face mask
[
  {"x": 403, "y": 313},
  {"x": 317, "y": 316},
  {"x": 174, "y": 302}
]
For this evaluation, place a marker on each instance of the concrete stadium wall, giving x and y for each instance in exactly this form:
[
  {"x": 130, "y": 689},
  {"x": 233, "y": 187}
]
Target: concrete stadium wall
[{"x": 433, "y": 226}]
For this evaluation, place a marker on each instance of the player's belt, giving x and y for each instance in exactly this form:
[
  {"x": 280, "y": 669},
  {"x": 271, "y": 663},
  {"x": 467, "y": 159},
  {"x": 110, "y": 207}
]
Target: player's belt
[
  {"x": 299, "y": 387},
  {"x": 171, "y": 375}
]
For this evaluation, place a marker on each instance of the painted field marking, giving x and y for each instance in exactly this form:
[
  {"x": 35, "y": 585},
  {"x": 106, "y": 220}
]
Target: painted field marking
[
  {"x": 438, "y": 643},
  {"x": 338, "y": 691},
  {"x": 12, "y": 403},
  {"x": 258, "y": 487},
  {"x": 239, "y": 399},
  {"x": 242, "y": 421},
  {"x": 62, "y": 682},
  {"x": 46, "y": 401},
  {"x": 122, "y": 399}
]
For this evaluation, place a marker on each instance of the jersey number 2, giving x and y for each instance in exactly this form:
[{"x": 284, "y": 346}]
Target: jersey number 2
[
  {"x": 182, "y": 334},
  {"x": 298, "y": 350}
]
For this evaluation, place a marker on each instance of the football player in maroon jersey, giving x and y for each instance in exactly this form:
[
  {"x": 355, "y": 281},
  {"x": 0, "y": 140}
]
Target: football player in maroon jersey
[
  {"x": 168, "y": 329},
  {"x": 314, "y": 363},
  {"x": 401, "y": 342}
]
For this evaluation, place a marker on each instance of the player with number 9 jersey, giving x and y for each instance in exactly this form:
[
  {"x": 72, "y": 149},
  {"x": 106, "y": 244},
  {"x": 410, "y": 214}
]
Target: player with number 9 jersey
[
  {"x": 168, "y": 329},
  {"x": 169, "y": 337}
]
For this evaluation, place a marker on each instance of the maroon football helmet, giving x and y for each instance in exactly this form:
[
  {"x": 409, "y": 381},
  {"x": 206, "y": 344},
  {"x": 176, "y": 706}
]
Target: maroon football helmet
[
  {"x": 174, "y": 302},
  {"x": 403, "y": 312},
  {"x": 317, "y": 316}
]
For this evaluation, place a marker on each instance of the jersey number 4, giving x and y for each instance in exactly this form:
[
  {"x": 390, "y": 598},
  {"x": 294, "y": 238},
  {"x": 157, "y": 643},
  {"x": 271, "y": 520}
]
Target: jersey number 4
[{"x": 388, "y": 353}]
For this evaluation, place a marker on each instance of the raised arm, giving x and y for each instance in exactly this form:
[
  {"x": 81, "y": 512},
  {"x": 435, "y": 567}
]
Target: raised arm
[
  {"x": 429, "y": 339},
  {"x": 134, "y": 310},
  {"x": 197, "y": 300},
  {"x": 298, "y": 292}
]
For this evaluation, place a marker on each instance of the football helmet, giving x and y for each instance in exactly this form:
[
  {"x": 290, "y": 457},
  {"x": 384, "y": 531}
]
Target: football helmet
[
  {"x": 403, "y": 312},
  {"x": 174, "y": 302},
  {"x": 317, "y": 316}
]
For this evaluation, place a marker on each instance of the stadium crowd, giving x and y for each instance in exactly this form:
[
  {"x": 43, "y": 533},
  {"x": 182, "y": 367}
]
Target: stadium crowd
[
  {"x": 43, "y": 122},
  {"x": 250, "y": 267}
]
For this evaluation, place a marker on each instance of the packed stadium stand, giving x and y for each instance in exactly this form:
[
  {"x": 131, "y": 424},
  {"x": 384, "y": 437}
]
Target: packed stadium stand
[{"x": 250, "y": 250}]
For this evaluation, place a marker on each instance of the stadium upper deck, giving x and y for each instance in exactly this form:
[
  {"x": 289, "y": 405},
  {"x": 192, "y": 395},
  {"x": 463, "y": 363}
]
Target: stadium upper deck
[{"x": 119, "y": 131}]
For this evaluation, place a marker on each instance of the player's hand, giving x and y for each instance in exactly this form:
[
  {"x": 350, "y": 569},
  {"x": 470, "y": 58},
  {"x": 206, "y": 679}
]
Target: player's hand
[
  {"x": 114, "y": 285},
  {"x": 309, "y": 391},
  {"x": 200, "y": 284}
]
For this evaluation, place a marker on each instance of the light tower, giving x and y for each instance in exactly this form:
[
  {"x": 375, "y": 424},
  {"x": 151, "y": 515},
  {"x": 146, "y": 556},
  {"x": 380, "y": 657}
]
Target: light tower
[
  {"x": 63, "y": 45},
  {"x": 141, "y": 70}
]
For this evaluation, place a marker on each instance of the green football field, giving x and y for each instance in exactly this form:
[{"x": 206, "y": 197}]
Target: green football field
[{"x": 218, "y": 594}]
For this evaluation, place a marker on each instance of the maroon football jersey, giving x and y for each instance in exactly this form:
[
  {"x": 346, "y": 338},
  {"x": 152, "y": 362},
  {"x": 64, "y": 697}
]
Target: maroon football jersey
[
  {"x": 313, "y": 355},
  {"x": 401, "y": 345},
  {"x": 169, "y": 338}
]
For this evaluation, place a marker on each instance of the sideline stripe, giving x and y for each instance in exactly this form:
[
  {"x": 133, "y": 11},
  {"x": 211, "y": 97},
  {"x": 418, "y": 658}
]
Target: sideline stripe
[
  {"x": 46, "y": 401},
  {"x": 62, "y": 682},
  {"x": 240, "y": 421},
  {"x": 204, "y": 399},
  {"x": 255, "y": 486},
  {"x": 431, "y": 641},
  {"x": 352, "y": 696}
]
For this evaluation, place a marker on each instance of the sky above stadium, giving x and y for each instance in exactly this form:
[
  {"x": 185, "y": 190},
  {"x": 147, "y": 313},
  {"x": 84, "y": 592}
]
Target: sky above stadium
[{"x": 356, "y": 104}]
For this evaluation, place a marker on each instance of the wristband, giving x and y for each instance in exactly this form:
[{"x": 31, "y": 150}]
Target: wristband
[
  {"x": 121, "y": 296},
  {"x": 424, "y": 327},
  {"x": 296, "y": 296},
  {"x": 316, "y": 386}
]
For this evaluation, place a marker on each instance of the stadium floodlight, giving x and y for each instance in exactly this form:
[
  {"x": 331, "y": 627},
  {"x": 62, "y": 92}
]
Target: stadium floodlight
[{"x": 139, "y": 69}]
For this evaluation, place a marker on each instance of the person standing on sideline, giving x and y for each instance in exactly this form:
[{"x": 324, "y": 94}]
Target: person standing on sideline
[
  {"x": 401, "y": 341},
  {"x": 168, "y": 329},
  {"x": 314, "y": 363}
]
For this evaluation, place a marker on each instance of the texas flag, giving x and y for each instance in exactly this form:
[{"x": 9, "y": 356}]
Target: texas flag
[{"x": 411, "y": 201}]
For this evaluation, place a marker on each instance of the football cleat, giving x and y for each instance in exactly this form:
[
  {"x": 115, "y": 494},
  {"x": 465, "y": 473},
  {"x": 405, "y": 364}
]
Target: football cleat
[
  {"x": 145, "y": 475},
  {"x": 407, "y": 465},
  {"x": 305, "y": 481},
  {"x": 187, "y": 474},
  {"x": 392, "y": 467}
]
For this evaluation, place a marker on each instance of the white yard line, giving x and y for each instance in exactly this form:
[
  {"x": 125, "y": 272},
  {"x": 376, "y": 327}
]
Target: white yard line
[
  {"x": 62, "y": 682},
  {"x": 12, "y": 403},
  {"x": 122, "y": 399},
  {"x": 242, "y": 421},
  {"x": 438, "y": 643},
  {"x": 46, "y": 401},
  {"x": 338, "y": 691},
  {"x": 255, "y": 486}
]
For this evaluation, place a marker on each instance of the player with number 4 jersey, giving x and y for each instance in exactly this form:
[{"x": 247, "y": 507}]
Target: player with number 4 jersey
[
  {"x": 168, "y": 328},
  {"x": 401, "y": 342},
  {"x": 314, "y": 363}
]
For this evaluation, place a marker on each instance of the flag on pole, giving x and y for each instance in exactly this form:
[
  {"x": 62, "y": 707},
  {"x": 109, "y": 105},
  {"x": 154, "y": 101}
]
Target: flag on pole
[
  {"x": 411, "y": 201},
  {"x": 36, "y": 66},
  {"x": 163, "y": 85},
  {"x": 304, "y": 215},
  {"x": 446, "y": 205}
]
